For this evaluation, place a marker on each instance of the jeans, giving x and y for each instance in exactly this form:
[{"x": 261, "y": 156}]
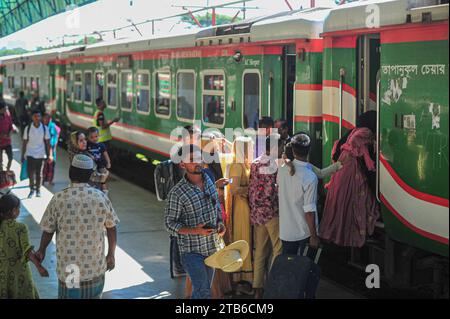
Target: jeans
[
  {"x": 200, "y": 274},
  {"x": 294, "y": 247},
  {"x": 35, "y": 172}
]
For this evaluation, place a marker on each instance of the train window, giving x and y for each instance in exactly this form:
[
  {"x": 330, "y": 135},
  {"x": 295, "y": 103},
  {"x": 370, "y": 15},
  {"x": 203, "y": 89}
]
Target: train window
[
  {"x": 213, "y": 99},
  {"x": 186, "y": 95},
  {"x": 37, "y": 84},
  {"x": 32, "y": 83},
  {"x": 77, "y": 87},
  {"x": 23, "y": 83},
  {"x": 251, "y": 99},
  {"x": 99, "y": 84},
  {"x": 143, "y": 93},
  {"x": 69, "y": 84},
  {"x": 162, "y": 96},
  {"x": 126, "y": 90},
  {"x": 112, "y": 89},
  {"x": 88, "y": 86}
]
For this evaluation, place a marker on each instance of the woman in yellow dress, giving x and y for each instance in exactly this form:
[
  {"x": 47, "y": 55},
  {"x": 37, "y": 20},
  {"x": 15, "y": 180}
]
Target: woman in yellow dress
[{"x": 236, "y": 202}]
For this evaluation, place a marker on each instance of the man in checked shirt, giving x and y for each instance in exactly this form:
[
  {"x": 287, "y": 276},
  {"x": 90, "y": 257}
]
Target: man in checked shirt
[{"x": 193, "y": 214}]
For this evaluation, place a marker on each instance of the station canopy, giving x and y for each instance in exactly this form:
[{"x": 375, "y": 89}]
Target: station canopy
[{"x": 19, "y": 14}]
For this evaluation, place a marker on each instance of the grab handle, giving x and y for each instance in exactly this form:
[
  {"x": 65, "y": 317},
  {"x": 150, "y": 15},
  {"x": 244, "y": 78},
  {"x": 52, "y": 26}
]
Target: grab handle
[
  {"x": 341, "y": 96},
  {"x": 377, "y": 141}
]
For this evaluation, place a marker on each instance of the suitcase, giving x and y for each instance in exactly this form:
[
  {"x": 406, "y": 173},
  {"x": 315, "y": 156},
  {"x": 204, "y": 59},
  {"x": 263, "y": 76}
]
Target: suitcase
[
  {"x": 7, "y": 179},
  {"x": 176, "y": 268},
  {"x": 293, "y": 277}
]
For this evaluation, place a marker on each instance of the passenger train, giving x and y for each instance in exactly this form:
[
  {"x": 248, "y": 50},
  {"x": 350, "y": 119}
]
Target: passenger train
[{"x": 318, "y": 68}]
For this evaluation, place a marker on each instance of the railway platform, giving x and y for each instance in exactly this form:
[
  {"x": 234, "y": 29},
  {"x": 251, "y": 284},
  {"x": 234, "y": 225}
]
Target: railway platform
[{"x": 142, "y": 255}]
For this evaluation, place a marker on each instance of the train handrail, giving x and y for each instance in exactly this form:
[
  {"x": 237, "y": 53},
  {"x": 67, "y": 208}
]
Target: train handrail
[
  {"x": 341, "y": 96},
  {"x": 377, "y": 162}
]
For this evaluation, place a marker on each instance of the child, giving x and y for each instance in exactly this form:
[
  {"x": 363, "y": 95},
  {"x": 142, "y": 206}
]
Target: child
[
  {"x": 54, "y": 130},
  {"x": 100, "y": 156},
  {"x": 15, "y": 251}
]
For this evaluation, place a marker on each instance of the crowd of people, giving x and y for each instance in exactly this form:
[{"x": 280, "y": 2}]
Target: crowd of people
[
  {"x": 266, "y": 196},
  {"x": 262, "y": 194}
]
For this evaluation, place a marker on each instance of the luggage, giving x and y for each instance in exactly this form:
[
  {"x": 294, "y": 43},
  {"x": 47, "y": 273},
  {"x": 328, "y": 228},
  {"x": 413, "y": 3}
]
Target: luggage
[
  {"x": 166, "y": 175},
  {"x": 176, "y": 268},
  {"x": 7, "y": 179},
  {"x": 24, "y": 170},
  {"x": 293, "y": 277}
]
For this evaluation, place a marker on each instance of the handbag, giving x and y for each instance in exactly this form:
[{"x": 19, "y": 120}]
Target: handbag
[{"x": 24, "y": 170}]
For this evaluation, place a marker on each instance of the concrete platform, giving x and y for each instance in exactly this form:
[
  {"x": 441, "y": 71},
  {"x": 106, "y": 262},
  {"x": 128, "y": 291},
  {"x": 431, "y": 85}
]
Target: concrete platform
[{"x": 142, "y": 255}]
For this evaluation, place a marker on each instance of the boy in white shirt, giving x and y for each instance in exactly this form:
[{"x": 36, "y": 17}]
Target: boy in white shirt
[
  {"x": 298, "y": 200},
  {"x": 36, "y": 149}
]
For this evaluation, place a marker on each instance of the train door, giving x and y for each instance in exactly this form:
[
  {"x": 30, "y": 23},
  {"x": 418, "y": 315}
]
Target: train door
[
  {"x": 289, "y": 60},
  {"x": 368, "y": 65}
]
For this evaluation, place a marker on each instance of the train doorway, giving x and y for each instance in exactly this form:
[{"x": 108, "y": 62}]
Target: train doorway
[
  {"x": 289, "y": 60},
  {"x": 368, "y": 66}
]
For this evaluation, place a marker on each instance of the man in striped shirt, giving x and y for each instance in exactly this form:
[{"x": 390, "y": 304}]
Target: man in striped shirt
[{"x": 193, "y": 214}]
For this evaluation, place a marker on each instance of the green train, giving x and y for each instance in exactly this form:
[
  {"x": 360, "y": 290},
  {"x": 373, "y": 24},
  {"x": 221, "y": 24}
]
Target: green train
[{"x": 318, "y": 68}]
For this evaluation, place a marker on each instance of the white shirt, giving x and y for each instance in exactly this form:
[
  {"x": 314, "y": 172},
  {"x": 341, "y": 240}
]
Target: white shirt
[
  {"x": 36, "y": 145},
  {"x": 297, "y": 194}
]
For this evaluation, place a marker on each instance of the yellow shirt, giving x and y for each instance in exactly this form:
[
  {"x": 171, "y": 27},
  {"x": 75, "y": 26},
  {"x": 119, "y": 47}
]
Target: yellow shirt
[{"x": 104, "y": 134}]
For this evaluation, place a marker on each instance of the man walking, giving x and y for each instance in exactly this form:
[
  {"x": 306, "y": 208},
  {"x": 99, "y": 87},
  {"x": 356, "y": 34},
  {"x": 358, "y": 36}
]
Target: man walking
[
  {"x": 263, "y": 201},
  {"x": 36, "y": 148},
  {"x": 193, "y": 214},
  {"x": 6, "y": 127},
  {"x": 102, "y": 124},
  {"x": 79, "y": 215}
]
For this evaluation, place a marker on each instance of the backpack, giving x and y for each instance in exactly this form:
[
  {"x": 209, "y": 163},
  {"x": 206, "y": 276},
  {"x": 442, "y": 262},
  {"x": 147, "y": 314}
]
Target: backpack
[{"x": 166, "y": 175}]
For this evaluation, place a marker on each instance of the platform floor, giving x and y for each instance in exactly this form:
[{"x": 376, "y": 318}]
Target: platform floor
[{"x": 142, "y": 255}]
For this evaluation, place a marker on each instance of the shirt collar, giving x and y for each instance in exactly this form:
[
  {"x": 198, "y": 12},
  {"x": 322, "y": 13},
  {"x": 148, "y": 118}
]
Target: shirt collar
[
  {"x": 78, "y": 184},
  {"x": 301, "y": 163}
]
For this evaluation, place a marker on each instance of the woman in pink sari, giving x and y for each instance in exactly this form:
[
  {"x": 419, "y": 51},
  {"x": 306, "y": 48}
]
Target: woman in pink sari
[{"x": 351, "y": 209}]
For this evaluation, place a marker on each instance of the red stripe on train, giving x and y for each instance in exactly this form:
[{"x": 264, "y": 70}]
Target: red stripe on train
[
  {"x": 411, "y": 191},
  {"x": 415, "y": 229},
  {"x": 312, "y": 87},
  {"x": 335, "y": 119},
  {"x": 334, "y": 83}
]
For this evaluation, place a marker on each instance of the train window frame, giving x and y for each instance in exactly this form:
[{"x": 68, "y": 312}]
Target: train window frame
[
  {"x": 112, "y": 107},
  {"x": 31, "y": 83},
  {"x": 120, "y": 89},
  {"x": 145, "y": 87},
  {"x": 84, "y": 92},
  {"x": 38, "y": 85},
  {"x": 250, "y": 71},
  {"x": 155, "y": 73},
  {"x": 69, "y": 95},
  {"x": 214, "y": 92},
  {"x": 95, "y": 84},
  {"x": 78, "y": 83},
  {"x": 182, "y": 119}
]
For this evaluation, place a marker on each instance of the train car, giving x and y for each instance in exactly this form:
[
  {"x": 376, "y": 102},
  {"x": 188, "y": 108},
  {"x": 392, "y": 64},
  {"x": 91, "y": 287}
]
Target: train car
[
  {"x": 225, "y": 76},
  {"x": 392, "y": 56}
]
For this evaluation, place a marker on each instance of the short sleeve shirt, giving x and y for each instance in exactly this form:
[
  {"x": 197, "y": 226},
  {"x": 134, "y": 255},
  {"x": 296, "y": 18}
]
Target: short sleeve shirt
[
  {"x": 97, "y": 150},
  {"x": 79, "y": 215},
  {"x": 36, "y": 145},
  {"x": 297, "y": 195}
]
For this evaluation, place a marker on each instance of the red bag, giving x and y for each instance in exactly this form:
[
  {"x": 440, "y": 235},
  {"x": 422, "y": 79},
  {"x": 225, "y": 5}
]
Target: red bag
[{"x": 7, "y": 179}]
